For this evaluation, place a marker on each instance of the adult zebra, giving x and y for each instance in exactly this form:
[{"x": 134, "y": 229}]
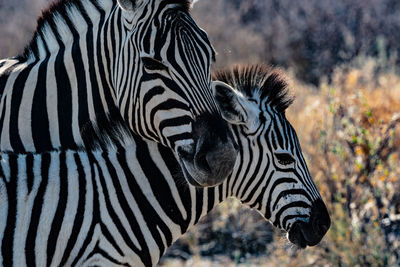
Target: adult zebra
[
  {"x": 144, "y": 60},
  {"x": 124, "y": 206}
]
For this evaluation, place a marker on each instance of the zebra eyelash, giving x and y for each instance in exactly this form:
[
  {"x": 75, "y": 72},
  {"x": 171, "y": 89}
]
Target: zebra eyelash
[
  {"x": 284, "y": 158},
  {"x": 153, "y": 64}
]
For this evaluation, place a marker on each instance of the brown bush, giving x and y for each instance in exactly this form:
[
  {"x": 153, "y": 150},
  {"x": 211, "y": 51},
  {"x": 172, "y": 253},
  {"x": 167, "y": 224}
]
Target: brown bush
[{"x": 310, "y": 36}]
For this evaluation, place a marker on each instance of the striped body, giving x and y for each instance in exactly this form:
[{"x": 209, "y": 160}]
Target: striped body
[
  {"x": 71, "y": 208},
  {"x": 126, "y": 205}
]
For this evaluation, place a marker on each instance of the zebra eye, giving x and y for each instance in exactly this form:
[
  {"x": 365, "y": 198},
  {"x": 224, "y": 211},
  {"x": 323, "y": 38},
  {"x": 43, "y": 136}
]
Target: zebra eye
[
  {"x": 153, "y": 64},
  {"x": 284, "y": 158}
]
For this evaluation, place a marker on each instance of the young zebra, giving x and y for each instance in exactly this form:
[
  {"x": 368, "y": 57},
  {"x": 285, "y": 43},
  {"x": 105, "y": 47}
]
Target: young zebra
[
  {"x": 146, "y": 60},
  {"x": 126, "y": 205}
]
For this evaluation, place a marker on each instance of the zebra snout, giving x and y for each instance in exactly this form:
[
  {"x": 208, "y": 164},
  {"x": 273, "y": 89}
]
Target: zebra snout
[
  {"x": 311, "y": 233},
  {"x": 209, "y": 161},
  {"x": 215, "y": 151}
]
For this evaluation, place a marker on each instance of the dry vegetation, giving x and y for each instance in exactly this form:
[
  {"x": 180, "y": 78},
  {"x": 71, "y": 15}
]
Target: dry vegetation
[
  {"x": 309, "y": 36},
  {"x": 350, "y": 133}
]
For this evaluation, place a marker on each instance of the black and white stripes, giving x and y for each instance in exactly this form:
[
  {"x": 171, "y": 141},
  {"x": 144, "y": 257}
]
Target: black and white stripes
[
  {"x": 123, "y": 206},
  {"x": 89, "y": 59},
  {"x": 271, "y": 174},
  {"x": 76, "y": 208},
  {"x": 108, "y": 120}
]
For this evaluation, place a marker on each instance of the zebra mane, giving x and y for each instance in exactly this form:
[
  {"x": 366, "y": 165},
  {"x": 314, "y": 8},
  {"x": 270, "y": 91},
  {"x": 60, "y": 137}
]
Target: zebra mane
[
  {"x": 60, "y": 8},
  {"x": 258, "y": 80},
  {"x": 109, "y": 132}
]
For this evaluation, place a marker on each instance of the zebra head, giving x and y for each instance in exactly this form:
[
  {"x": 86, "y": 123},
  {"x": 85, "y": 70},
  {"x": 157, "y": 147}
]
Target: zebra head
[
  {"x": 270, "y": 174},
  {"x": 170, "y": 99}
]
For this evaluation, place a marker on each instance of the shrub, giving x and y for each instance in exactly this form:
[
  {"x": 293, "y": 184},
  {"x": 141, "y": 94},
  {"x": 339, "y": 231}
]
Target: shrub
[{"x": 310, "y": 36}]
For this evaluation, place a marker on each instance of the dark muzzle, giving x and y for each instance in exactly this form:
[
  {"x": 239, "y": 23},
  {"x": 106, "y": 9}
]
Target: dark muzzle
[
  {"x": 310, "y": 233},
  {"x": 215, "y": 151}
]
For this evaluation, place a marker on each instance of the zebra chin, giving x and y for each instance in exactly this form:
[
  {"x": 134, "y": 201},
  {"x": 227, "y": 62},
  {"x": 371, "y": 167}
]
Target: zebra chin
[{"x": 310, "y": 233}]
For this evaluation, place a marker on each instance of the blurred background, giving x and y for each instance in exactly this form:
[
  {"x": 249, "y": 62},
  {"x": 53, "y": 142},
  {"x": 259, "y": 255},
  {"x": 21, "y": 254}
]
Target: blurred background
[{"x": 341, "y": 59}]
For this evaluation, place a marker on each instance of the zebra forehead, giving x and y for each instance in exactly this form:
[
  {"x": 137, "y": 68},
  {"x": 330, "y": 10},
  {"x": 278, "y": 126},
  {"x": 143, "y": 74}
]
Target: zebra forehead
[{"x": 258, "y": 81}]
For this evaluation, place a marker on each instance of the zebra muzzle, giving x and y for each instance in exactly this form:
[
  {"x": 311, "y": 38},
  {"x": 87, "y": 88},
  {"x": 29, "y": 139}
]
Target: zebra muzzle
[
  {"x": 213, "y": 154},
  {"x": 311, "y": 233}
]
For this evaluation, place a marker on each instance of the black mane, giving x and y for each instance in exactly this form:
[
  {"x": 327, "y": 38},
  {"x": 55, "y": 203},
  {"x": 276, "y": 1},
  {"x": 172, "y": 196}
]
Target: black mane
[
  {"x": 60, "y": 7},
  {"x": 259, "y": 77}
]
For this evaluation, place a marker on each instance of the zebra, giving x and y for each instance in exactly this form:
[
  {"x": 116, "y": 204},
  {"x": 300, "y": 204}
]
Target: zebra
[
  {"x": 126, "y": 205},
  {"x": 90, "y": 60}
]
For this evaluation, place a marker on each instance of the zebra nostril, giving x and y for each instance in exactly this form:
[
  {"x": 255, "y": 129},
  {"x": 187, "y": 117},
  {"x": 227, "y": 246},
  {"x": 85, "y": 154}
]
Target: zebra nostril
[
  {"x": 325, "y": 227},
  {"x": 201, "y": 161},
  {"x": 320, "y": 226},
  {"x": 320, "y": 218},
  {"x": 317, "y": 226}
]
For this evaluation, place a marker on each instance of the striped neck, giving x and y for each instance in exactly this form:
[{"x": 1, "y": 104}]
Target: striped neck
[{"x": 63, "y": 80}]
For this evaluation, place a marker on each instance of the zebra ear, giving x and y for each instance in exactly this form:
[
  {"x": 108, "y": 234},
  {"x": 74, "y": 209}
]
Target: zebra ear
[
  {"x": 128, "y": 5},
  {"x": 230, "y": 102}
]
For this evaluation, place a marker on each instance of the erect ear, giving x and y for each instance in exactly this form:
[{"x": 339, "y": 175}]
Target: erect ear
[
  {"x": 230, "y": 102},
  {"x": 128, "y": 5}
]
